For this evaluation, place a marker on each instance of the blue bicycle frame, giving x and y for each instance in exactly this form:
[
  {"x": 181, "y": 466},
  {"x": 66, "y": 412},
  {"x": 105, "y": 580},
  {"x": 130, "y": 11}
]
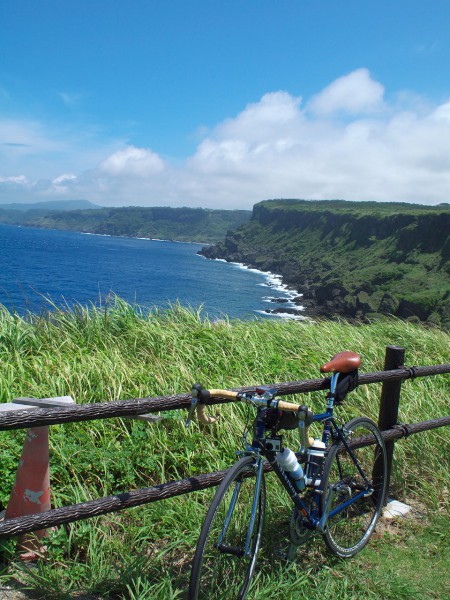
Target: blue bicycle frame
[{"x": 257, "y": 449}]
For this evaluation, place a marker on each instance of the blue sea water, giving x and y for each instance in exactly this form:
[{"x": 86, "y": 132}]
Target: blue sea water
[{"x": 40, "y": 267}]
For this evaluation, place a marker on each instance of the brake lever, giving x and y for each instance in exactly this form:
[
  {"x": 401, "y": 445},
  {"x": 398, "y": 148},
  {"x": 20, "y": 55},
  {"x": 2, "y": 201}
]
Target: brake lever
[
  {"x": 191, "y": 412},
  {"x": 196, "y": 389}
]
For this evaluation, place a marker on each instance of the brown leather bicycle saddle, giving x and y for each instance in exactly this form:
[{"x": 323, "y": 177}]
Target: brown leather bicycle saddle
[{"x": 343, "y": 362}]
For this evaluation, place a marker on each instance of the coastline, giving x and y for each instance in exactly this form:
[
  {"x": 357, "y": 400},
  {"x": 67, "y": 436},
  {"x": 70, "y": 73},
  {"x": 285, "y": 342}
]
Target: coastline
[
  {"x": 128, "y": 237},
  {"x": 292, "y": 301}
]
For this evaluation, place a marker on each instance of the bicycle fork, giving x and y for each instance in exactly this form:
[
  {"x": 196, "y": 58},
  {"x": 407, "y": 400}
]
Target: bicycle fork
[{"x": 246, "y": 550}]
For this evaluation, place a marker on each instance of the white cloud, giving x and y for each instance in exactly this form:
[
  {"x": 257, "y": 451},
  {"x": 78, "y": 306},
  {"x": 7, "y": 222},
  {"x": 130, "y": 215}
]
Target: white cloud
[
  {"x": 442, "y": 113},
  {"x": 35, "y": 158},
  {"x": 64, "y": 184},
  {"x": 132, "y": 162},
  {"x": 18, "y": 179},
  {"x": 275, "y": 111},
  {"x": 65, "y": 178},
  {"x": 355, "y": 93},
  {"x": 348, "y": 141}
]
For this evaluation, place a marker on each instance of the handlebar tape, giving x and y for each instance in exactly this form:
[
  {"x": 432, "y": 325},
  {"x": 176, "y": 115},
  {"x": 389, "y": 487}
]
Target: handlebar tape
[{"x": 203, "y": 395}]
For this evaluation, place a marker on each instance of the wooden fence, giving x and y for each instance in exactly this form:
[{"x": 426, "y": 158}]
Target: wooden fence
[{"x": 395, "y": 372}]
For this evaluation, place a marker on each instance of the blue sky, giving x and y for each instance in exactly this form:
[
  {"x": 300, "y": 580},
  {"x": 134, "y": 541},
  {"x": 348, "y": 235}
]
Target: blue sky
[{"x": 224, "y": 103}]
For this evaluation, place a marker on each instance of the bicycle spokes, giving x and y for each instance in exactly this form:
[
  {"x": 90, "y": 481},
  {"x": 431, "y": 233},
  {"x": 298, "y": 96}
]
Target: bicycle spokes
[{"x": 352, "y": 501}]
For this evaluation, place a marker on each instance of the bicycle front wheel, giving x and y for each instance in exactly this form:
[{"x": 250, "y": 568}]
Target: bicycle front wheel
[
  {"x": 229, "y": 541},
  {"x": 356, "y": 497}
]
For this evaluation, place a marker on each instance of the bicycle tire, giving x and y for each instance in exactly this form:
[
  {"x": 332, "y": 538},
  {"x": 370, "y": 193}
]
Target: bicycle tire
[
  {"x": 223, "y": 573},
  {"x": 348, "y": 531}
]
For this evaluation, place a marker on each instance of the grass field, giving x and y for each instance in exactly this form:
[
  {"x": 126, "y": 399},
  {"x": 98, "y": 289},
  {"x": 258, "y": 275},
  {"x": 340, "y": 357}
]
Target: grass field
[{"x": 118, "y": 352}]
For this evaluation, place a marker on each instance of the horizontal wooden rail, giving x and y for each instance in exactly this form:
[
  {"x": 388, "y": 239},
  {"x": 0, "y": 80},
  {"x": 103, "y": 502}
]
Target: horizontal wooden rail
[
  {"x": 140, "y": 406},
  {"x": 101, "y": 506}
]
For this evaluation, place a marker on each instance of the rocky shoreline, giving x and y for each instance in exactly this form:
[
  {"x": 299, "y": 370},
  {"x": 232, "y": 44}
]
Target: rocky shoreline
[
  {"x": 323, "y": 300},
  {"x": 302, "y": 299}
]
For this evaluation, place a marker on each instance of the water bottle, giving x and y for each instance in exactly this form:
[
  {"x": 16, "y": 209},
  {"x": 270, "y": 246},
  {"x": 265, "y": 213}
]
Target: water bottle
[
  {"x": 314, "y": 465},
  {"x": 289, "y": 463}
]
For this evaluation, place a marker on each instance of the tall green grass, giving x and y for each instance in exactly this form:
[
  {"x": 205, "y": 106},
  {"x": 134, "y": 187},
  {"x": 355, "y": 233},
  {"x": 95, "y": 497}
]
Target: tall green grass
[{"x": 120, "y": 352}]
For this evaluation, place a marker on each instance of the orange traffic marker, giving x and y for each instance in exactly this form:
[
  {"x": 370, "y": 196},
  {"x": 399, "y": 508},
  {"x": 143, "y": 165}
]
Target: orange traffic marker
[{"x": 31, "y": 490}]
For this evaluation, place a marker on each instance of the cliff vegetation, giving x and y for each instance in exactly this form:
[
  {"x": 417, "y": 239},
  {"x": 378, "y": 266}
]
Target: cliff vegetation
[{"x": 180, "y": 224}]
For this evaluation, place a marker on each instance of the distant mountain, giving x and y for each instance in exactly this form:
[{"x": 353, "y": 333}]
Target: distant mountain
[
  {"x": 357, "y": 259},
  {"x": 52, "y": 205},
  {"x": 180, "y": 224}
]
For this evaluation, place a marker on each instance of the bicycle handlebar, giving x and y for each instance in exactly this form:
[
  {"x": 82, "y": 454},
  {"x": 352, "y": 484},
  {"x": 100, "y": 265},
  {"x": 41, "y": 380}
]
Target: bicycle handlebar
[
  {"x": 344, "y": 363},
  {"x": 201, "y": 408},
  {"x": 202, "y": 395},
  {"x": 228, "y": 394}
]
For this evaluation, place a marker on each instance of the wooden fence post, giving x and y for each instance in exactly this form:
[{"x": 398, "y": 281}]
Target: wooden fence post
[{"x": 389, "y": 403}]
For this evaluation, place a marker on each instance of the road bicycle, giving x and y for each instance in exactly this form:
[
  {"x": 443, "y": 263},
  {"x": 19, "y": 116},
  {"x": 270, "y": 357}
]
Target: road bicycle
[{"x": 337, "y": 484}]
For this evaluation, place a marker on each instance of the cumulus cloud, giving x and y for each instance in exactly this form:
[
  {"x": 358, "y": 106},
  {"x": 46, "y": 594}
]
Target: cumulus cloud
[
  {"x": 35, "y": 159},
  {"x": 442, "y": 113},
  {"x": 65, "y": 178},
  {"x": 132, "y": 162},
  {"x": 20, "y": 189},
  {"x": 64, "y": 184},
  {"x": 354, "y": 94},
  {"x": 348, "y": 141},
  {"x": 259, "y": 120}
]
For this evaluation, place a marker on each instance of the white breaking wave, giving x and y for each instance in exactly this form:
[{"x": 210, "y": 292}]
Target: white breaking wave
[
  {"x": 282, "y": 315},
  {"x": 275, "y": 283}
]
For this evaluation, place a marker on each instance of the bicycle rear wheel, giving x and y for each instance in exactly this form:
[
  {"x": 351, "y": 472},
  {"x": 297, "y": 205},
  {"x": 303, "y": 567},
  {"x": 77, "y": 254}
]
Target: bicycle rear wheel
[
  {"x": 221, "y": 568},
  {"x": 349, "y": 529}
]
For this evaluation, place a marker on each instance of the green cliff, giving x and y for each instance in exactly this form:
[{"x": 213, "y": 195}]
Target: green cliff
[
  {"x": 351, "y": 258},
  {"x": 181, "y": 224}
]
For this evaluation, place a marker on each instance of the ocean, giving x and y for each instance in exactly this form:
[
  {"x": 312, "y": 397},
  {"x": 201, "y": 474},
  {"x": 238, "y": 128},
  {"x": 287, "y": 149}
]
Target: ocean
[{"x": 42, "y": 268}]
